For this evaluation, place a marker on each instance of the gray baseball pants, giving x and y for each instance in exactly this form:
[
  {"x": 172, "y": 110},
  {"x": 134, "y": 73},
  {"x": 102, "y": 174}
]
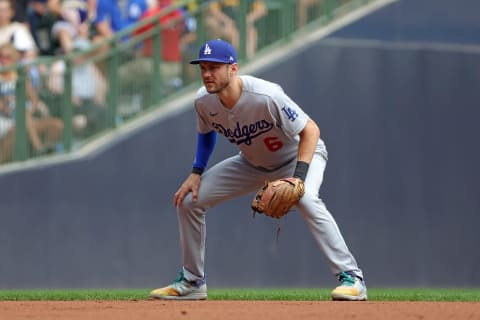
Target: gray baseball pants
[{"x": 234, "y": 177}]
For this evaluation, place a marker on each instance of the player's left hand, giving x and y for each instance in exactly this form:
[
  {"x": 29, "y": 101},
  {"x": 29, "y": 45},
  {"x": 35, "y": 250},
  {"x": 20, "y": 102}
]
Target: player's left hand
[
  {"x": 277, "y": 197},
  {"x": 191, "y": 184}
]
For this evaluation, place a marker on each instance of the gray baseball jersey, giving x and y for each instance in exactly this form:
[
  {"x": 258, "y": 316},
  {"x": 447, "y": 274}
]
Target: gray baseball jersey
[{"x": 264, "y": 124}]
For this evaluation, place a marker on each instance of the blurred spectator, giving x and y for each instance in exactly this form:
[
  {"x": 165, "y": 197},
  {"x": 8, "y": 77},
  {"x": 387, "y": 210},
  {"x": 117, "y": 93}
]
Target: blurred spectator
[
  {"x": 222, "y": 19},
  {"x": 188, "y": 45},
  {"x": 74, "y": 21},
  {"x": 172, "y": 26},
  {"x": 15, "y": 32},
  {"x": 220, "y": 24},
  {"x": 88, "y": 90},
  {"x": 20, "y": 8},
  {"x": 7, "y": 125},
  {"x": 258, "y": 9},
  {"x": 20, "y": 37},
  {"x": 308, "y": 10},
  {"x": 304, "y": 7},
  {"x": 43, "y": 131},
  {"x": 41, "y": 20},
  {"x": 113, "y": 16}
]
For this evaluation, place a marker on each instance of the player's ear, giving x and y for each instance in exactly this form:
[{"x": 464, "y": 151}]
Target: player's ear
[{"x": 233, "y": 68}]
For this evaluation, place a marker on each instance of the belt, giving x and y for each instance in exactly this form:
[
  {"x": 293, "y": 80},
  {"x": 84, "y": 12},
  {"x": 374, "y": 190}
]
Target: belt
[{"x": 276, "y": 168}]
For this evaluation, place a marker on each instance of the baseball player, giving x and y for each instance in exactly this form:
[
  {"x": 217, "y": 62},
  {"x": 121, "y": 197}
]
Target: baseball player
[{"x": 277, "y": 139}]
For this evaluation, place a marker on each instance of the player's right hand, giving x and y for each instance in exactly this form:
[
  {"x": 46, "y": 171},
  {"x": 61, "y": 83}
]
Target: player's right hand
[{"x": 191, "y": 184}]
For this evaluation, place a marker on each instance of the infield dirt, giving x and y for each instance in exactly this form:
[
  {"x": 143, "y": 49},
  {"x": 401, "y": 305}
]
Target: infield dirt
[{"x": 236, "y": 310}]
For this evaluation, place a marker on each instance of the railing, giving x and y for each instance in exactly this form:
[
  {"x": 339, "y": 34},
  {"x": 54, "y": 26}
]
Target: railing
[{"x": 99, "y": 87}]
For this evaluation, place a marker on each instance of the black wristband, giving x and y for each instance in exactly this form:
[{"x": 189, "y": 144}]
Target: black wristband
[
  {"x": 301, "y": 170},
  {"x": 197, "y": 170}
]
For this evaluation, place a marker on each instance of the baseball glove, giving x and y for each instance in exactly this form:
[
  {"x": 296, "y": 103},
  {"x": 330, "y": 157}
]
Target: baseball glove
[{"x": 277, "y": 197}]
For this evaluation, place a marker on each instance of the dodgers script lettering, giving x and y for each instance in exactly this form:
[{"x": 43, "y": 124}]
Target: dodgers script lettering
[{"x": 244, "y": 133}]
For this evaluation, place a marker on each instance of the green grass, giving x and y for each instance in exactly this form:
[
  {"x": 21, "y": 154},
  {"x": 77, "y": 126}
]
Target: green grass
[{"x": 247, "y": 294}]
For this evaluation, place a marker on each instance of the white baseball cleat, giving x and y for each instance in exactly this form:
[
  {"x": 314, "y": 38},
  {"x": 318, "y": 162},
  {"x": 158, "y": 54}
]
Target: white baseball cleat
[
  {"x": 352, "y": 288},
  {"x": 182, "y": 289}
]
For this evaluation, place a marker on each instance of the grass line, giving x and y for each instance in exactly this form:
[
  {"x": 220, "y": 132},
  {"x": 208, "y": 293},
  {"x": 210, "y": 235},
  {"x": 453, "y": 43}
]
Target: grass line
[{"x": 290, "y": 294}]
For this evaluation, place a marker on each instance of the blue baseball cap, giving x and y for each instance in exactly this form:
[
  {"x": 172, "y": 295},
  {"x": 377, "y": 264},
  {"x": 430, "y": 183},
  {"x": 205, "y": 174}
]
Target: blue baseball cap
[{"x": 216, "y": 51}]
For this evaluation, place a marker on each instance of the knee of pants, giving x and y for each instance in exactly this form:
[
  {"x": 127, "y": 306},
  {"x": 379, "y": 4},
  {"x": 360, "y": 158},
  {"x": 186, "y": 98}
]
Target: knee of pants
[
  {"x": 311, "y": 205},
  {"x": 308, "y": 198},
  {"x": 189, "y": 207}
]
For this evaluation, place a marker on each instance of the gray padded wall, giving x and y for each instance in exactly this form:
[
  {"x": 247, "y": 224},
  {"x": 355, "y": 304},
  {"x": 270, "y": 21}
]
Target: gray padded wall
[{"x": 402, "y": 182}]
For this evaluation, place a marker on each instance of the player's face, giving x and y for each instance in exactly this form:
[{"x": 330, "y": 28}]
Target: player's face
[{"x": 215, "y": 76}]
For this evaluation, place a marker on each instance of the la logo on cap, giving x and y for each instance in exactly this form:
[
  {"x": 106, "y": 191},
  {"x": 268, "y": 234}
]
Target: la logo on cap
[{"x": 207, "y": 50}]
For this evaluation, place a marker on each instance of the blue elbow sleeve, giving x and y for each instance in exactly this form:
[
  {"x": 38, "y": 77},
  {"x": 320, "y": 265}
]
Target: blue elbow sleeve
[{"x": 205, "y": 145}]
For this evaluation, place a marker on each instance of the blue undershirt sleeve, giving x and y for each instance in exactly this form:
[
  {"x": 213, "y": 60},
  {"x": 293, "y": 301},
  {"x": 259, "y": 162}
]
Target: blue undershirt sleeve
[{"x": 205, "y": 145}]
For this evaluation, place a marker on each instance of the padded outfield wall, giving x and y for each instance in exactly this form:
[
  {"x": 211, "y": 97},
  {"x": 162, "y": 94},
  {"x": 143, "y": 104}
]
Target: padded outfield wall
[{"x": 400, "y": 124}]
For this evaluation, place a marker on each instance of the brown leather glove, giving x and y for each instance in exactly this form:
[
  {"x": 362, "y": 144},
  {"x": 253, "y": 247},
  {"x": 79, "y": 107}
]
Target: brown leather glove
[{"x": 276, "y": 198}]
